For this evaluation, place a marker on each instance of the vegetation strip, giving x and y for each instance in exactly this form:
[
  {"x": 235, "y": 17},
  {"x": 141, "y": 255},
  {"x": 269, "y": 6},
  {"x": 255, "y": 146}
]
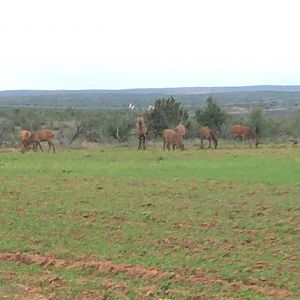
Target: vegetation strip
[
  {"x": 132, "y": 271},
  {"x": 135, "y": 271}
]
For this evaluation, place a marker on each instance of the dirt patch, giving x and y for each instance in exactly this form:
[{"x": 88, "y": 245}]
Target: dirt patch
[
  {"x": 257, "y": 231},
  {"x": 30, "y": 293},
  {"x": 106, "y": 267},
  {"x": 199, "y": 277},
  {"x": 51, "y": 278},
  {"x": 132, "y": 271},
  {"x": 208, "y": 225},
  {"x": 282, "y": 193},
  {"x": 32, "y": 259}
]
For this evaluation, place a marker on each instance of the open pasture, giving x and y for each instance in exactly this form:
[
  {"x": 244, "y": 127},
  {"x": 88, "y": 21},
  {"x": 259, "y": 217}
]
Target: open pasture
[{"x": 117, "y": 223}]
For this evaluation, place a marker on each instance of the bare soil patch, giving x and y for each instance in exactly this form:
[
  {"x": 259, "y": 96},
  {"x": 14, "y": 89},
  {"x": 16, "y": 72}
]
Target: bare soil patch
[{"x": 132, "y": 271}]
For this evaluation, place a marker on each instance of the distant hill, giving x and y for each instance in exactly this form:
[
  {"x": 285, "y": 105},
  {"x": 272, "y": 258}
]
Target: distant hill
[
  {"x": 266, "y": 96},
  {"x": 161, "y": 91}
]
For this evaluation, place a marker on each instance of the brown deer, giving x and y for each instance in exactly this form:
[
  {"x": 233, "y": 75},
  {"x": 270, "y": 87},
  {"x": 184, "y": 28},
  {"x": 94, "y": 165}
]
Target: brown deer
[
  {"x": 207, "y": 134},
  {"x": 141, "y": 130},
  {"x": 245, "y": 133},
  {"x": 24, "y": 135},
  {"x": 171, "y": 137},
  {"x": 181, "y": 130},
  {"x": 37, "y": 137}
]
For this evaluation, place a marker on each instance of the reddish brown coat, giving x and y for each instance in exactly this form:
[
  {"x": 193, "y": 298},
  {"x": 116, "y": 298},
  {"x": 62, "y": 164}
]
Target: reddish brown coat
[
  {"x": 24, "y": 135},
  {"x": 141, "y": 127},
  {"x": 141, "y": 130},
  {"x": 37, "y": 137},
  {"x": 207, "y": 134},
  {"x": 171, "y": 137},
  {"x": 244, "y": 132},
  {"x": 181, "y": 130}
]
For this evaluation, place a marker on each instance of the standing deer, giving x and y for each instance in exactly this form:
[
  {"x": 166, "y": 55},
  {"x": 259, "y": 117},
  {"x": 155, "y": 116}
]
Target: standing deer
[
  {"x": 171, "y": 137},
  {"x": 37, "y": 137},
  {"x": 207, "y": 134},
  {"x": 181, "y": 130},
  {"x": 245, "y": 133},
  {"x": 141, "y": 129}
]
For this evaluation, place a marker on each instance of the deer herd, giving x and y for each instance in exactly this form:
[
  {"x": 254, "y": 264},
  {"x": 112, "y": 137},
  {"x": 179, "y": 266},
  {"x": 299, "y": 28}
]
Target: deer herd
[
  {"x": 174, "y": 138},
  {"x": 171, "y": 138}
]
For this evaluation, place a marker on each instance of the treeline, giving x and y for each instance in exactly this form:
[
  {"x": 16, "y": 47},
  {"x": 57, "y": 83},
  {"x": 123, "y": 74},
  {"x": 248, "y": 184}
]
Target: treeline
[
  {"x": 69, "y": 124},
  {"x": 118, "y": 125},
  {"x": 192, "y": 98}
]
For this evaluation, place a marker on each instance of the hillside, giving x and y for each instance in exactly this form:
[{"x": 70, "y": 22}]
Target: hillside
[{"x": 268, "y": 97}]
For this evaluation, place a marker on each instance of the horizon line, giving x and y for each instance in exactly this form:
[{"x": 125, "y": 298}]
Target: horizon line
[{"x": 157, "y": 88}]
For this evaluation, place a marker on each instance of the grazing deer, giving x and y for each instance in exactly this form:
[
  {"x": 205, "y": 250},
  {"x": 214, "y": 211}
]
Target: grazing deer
[
  {"x": 141, "y": 129},
  {"x": 245, "y": 133},
  {"x": 207, "y": 134},
  {"x": 24, "y": 135},
  {"x": 171, "y": 137},
  {"x": 37, "y": 137}
]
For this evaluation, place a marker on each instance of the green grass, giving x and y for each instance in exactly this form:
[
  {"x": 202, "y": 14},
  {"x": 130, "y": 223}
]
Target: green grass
[{"x": 220, "y": 223}]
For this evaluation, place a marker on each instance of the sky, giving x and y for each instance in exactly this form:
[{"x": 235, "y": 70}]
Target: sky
[{"x": 120, "y": 44}]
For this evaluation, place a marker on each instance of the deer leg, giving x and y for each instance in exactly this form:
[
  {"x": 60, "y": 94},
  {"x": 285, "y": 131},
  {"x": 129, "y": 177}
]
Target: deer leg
[
  {"x": 209, "y": 143},
  {"x": 168, "y": 146},
  {"x": 39, "y": 146},
  {"x": 140, "y": 142},
  {"x": 164, "y": 147},
  {"x": 53, "y": 147},
  {"x": 34, "y": 146},
  {"x": 144, "y": 140},
  {"x": 50, "y": 144},
  {"x": 201, "y": 145}
]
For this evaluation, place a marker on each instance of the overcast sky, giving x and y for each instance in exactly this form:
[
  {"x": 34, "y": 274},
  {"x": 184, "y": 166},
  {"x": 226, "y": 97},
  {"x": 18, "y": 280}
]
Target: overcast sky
[{"x": 116, "y": 44}]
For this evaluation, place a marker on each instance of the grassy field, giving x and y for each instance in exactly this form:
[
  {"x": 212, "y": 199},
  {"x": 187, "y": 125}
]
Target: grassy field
[{"x": 115, "y": 223}]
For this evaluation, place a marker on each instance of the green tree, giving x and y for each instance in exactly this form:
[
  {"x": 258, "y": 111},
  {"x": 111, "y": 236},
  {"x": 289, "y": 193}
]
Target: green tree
[
  {"x": 167, "y": 113},
  {"x": 256, "y": 120},
  {"x": 212, "y": 115}
]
